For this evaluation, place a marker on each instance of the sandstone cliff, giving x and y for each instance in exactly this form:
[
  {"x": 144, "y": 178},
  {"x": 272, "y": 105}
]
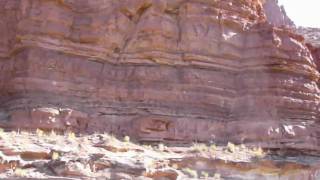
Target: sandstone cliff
[
  {"x": 312, "y": 36},
  {"x": 276, "y": 14},
  {"x": 170, "y": 70}
]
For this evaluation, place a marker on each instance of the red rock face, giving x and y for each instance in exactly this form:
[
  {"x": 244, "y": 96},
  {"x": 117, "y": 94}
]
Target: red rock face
[
  {"x": 276, "y": 14},
  {"x": 169, "y": 70},
  {"x": 315, "y": 51},
  {"x": 312, "y": 37}
]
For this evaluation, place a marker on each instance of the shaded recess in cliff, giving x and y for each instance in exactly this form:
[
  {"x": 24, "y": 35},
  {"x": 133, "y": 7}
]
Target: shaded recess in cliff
[{"x": 170, "y": 70}]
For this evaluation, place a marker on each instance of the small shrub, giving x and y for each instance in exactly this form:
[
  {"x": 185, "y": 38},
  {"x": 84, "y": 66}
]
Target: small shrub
[
  {"x": 161, "y": 147},
  {"x": 2, "y": 134},
  {"x": 126, "y": 139},
  {"x": 204, "y": 174},
  {"x": 55, "y": 156},
  {"x": 71, "y": 136},
  {"x": 39, "y": 132},
  {"x": 216, "y": 176},
  {"x": 258, "y": 152},
  {"x": 20, "y": 172},
  {"x": 200, "y": 147},
  {"x": 213, "y": 147},
  {"x": 231, "y": 147},
  {"x": 190, "y": 172}
]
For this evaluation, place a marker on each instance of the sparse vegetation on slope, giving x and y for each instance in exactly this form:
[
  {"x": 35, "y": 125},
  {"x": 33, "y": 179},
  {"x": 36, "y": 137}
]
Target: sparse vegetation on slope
[{"x": 49, "y": 154}]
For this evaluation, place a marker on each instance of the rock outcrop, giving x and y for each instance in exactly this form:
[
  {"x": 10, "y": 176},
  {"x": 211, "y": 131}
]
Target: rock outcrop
[
  {"x": 100, "y": 156},
  {"x": 312, "y": 37},
  {"x": 157, "y": 70},
  {"x": 276, "y": 14}
]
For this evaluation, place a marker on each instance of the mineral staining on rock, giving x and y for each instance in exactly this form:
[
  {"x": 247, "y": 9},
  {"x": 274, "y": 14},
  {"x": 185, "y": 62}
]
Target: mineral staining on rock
[{"x": 169, "y": 70}]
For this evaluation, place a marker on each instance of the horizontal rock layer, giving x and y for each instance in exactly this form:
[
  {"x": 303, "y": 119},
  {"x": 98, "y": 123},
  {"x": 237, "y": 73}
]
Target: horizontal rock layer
[
  {"x": 312, "y": 37},
  {"x": 170, "y": 70}
]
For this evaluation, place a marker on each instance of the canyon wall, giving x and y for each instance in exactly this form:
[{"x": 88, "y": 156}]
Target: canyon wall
[
  {"x": 276, "y": 14},
  {"x": 157, "y": 70},
  {"x": 312, "y": 38}
]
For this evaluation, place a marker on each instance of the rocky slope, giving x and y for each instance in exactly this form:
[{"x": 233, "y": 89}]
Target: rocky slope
[
  {"x": 170, "y": 70},
  {"x": 100, "y": 156}
]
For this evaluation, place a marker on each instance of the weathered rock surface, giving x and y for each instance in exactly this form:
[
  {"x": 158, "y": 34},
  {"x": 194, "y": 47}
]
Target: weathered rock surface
[
  {"x": 312, "y": 37},
  {"x": 276, "y": 14},
  {"x": 100, "y": 156},
  {"x": 168, "y": 70}
]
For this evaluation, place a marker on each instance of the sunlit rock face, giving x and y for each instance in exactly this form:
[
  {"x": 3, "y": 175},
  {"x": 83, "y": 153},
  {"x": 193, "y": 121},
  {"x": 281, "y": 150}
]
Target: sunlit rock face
[
  {"x": 276, "y": 14},
  {"x": 157, "y": 70},
  {"x": 312, "y": 37}
]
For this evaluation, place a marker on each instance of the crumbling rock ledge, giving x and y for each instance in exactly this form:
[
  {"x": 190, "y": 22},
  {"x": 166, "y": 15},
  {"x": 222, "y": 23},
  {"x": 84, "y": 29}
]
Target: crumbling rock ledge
[
  {"x": 101, "y": 156},
  {"x": 172, "y": 70},
  {"x": 312, "y": 37},
  {"x": 276, "y": 14}
]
